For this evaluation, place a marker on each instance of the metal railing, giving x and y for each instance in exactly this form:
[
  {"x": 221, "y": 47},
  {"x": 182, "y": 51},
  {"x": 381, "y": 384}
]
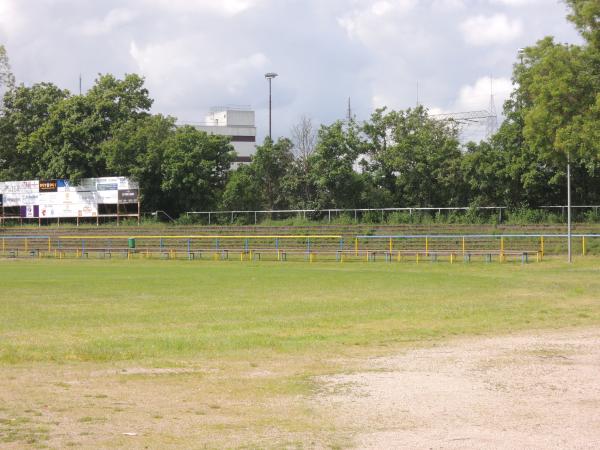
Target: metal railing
[
  {"x": 355, "y": 212},
  {"x": 299, "y": 247}
]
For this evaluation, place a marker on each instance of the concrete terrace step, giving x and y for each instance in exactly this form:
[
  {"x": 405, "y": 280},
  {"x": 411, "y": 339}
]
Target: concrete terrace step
[{"x": 343, "y": 230}]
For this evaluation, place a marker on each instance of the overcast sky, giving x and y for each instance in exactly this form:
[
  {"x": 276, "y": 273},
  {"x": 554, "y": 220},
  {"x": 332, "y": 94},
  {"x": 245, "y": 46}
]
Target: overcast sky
[{"x": 196, "y": 54}]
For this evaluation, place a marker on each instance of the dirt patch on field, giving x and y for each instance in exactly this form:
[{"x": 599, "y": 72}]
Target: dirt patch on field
[
  {"x": 525, "y": 391},
  {"x": 537, "y": 390}
]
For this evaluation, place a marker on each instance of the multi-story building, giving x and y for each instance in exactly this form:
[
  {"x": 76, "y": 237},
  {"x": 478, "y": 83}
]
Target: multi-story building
[{"x": 237, "y": 123}]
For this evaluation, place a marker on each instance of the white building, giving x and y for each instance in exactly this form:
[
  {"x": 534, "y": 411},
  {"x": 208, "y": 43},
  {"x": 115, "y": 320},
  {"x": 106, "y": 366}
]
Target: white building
[{"x": 237, "y": 123}]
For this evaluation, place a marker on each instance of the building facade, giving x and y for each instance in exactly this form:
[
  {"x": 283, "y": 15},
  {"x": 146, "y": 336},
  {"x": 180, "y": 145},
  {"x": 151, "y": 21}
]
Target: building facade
[{"x": 236, "y": 122}]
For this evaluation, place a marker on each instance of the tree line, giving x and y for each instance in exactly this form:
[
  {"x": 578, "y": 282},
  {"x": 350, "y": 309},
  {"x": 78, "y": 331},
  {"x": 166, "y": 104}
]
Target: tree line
[{"x": 393, "y": 159}]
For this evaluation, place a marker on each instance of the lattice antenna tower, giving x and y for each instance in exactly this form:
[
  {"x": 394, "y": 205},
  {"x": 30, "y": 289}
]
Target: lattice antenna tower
[
  {"x": 349, "y": 116},
  {"x": 492, "y": 119}
]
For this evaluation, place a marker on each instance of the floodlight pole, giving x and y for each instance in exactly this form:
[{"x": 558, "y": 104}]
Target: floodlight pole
[
  {"x": 269, "y": 76},
  {"x": 570, "y": 257}
]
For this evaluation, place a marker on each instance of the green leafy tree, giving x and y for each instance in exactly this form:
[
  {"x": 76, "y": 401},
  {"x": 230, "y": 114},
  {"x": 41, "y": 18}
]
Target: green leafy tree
[
  {"x": 271, "y": 162},
  {"x": 416, "y": 158},
  {"x": 558, "y": 102},
  {"x": 76, "y": 128},
  {"x": 136, "y": 149},
  {"x": 25, "y": 111},
  {"x": 585, "y": 14},
  {"x": 242, "y": 191},
  {"x": 194, "y": 169},
  {"x": 336, "y": 183},
  {"x": 7, "y": 79}
]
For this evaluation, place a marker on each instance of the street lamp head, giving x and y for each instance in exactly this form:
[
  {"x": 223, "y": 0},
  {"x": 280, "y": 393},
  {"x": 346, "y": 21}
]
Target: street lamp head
[{"x": 270, "y": 75}]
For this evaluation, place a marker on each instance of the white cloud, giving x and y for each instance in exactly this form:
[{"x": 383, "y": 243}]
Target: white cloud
[
  {"x": 112, "y": 20},
  {"x": 196, "y": 54},
  {"x": 516, "y": 2},
  {"x": 476, "y": 96},
  {"x": 372, "y": 21},
  {"x": 447, "y": 5},
  {"x": 176, "y": 68},
  {"x": 486, "y": 30},
  {"x": 12, "y": 19},
  {"x": 221, "y": 7}
]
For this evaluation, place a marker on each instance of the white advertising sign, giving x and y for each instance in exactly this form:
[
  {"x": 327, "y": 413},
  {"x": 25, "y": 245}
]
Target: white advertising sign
[
  {"x": 19, "y": 187},
  {"x": 58, "y": 198}
]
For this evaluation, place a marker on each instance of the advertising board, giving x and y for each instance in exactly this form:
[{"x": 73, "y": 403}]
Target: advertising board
[
  {"x": 128, "y": 196},
  {"x": 59, "y": 198},
  {"x": 47, "y": 186}
]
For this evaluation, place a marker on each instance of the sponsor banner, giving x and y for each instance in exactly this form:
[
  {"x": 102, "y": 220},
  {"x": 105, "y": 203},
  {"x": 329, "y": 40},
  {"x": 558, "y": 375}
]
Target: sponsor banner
[
  {"x": 128, "y": 196},
  {"x": 104, "y": 184},
  {"x": 21, "y": 199},
  {"x": 107, "y": 186},
  {"x": 29, "y": 211},
  {"x": 19, "y": 187},
  {"x": 108, "y": 197},
  {"x": 48, "y": 186},
  {"x": 58, "y": 198},
  {"x": 70, "y": 210}
]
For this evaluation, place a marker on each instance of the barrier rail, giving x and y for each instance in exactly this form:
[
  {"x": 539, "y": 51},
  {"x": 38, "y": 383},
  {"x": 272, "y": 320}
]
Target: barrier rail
[
  {"x": 302, "y": 247},
  {"x": 328, "y": 213}
]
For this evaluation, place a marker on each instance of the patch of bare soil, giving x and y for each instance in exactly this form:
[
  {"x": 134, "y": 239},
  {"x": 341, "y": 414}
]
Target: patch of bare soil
[{"x": 537, "y": 390}]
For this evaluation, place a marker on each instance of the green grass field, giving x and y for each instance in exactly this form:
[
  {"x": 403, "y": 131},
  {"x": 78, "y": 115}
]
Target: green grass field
[{"x": 67, "y": 319}]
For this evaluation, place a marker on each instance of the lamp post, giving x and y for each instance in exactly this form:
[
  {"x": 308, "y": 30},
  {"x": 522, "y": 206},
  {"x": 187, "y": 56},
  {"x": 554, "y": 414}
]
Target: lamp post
[
  {"x": 570, "y": 258},
  {"x": 269, "y": 76}
]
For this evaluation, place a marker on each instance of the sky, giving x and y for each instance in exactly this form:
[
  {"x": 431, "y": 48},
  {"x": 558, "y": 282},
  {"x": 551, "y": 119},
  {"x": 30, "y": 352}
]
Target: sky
[{"x": 196, "y": 54}]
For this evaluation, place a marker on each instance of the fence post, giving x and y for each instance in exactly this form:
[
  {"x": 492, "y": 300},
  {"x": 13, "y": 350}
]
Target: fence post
[
  {"x": 356, "y": 247},
  {"x": 542, "y": 245},
  {"x": 391, "y": 245},
  {"x": 583, "y": 245},
  {"x": 426, "y": 246},
  {"x": 463, "y": 246}
]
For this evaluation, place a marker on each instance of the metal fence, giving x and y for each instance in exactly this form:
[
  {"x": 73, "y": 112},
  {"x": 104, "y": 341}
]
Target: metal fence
[
  {"x": 500, "y": 247},
  {"x": 358, "y": 213}
]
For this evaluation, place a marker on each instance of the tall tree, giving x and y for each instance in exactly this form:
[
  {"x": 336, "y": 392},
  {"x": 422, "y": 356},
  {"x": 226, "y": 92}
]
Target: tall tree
[
  {"x": 243, "y": 191},
  {"x": 336, "y": 183},
  {"x": 136, "y": 149},
  {"x": 73, "y": 134},
  {"x": 415, "y": 157},
  {"x": 7, "y": 79},
  {"x": 26, "y": 110},
  {"x": 195, "y": 168},
  {"x": 270, "y": 164}
]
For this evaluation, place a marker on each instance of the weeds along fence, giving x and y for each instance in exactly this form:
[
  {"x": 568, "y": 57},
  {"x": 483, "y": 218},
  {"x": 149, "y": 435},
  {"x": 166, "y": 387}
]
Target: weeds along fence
[
  {"x": 488, "y": 247},
  {"x": 405, "y": 215}
]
